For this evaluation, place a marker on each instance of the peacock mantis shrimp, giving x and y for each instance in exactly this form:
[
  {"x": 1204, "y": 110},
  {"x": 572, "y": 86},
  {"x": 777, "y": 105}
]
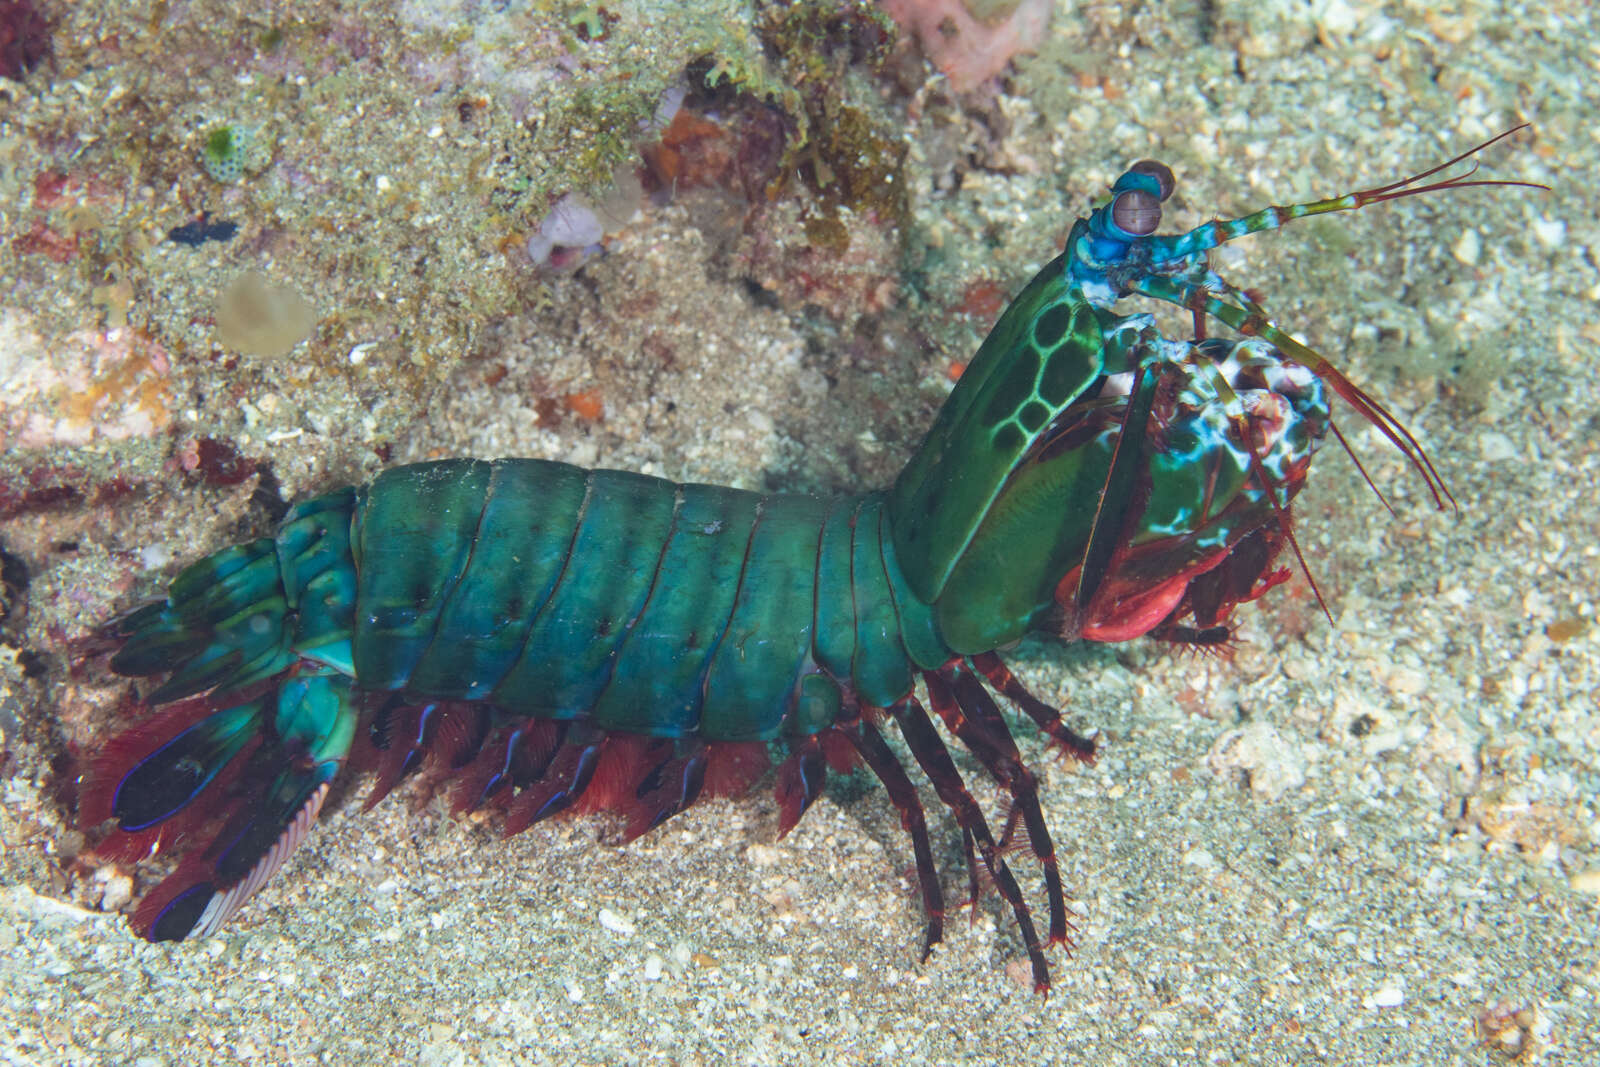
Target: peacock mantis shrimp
[{"x": 553, "y": 639}]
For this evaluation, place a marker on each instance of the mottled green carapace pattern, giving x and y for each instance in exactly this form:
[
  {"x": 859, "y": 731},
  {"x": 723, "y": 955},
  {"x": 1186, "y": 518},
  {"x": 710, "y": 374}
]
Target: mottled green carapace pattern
[{"x": 1047, "y": 348}]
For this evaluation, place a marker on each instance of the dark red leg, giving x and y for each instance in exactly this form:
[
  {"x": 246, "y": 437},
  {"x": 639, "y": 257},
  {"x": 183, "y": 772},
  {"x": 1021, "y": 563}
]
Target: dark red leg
[
  {"x": 1216, "y": 639},
  {"x": 971, "y": 714},
  {"x": 487, "y": 776},
  {"x": 563, "y": 781},
  {"x": 903, "y": 795},
  {"x": 800, "y": 780},
  {"x": 463, "y": 729},
  {"x": 934, "y": 758},
  {"x": 401, "y": 733},
  {"x": 1073, "y": 743},
  {"x": 667, "y": 788}
]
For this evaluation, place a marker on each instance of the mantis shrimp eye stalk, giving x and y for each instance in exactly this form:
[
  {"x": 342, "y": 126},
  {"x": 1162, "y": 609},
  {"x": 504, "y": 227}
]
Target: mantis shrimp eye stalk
[
  {"x": 1174, "y": 268},
  {"x": 1116, "y": 253},
  {"x": 1158, "y": 170},
  {"x": 1137, "y": 212}
]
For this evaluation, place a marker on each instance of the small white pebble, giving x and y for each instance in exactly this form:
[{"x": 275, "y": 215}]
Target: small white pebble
[
  {"x": 1496, "y": 446},
  {"x": 652, "y": 967},
  {"x": 1404, "y": 680},
  {"x": 1338, "y": 17},
  {"x": 1387, "y": 997},
  {"x": 761, "y": 855},
  {"x": 1467, "y": 247},
  {"x": 617, "y": 924},
  {"x": 383, "y": 183},
  {"x": 574, "y": 992},
  {"x": 118, "y": 891},
  {"x": 1550, "y": 233}
]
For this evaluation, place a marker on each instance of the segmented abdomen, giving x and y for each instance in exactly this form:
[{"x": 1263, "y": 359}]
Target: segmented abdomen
[{"x": 637, "y": 603}]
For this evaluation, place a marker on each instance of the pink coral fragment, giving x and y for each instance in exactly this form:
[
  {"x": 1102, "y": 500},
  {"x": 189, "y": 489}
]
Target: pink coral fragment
[{"x": 971, "y": 41}]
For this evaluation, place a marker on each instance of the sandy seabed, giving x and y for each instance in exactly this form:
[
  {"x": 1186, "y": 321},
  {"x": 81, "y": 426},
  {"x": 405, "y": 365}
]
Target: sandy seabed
[{"x": 1369, "y": 842}]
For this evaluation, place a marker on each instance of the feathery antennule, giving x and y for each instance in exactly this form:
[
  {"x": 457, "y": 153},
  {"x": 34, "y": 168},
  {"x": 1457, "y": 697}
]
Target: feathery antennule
[
  {"x": 1220, "y": 231},
  {"x": 1404, "y": 187}
]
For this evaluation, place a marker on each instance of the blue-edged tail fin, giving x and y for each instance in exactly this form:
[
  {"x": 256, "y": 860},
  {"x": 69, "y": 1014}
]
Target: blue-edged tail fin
[
  {"x": 198, "y": 898},
  {"x": 255, "y": 645},
  {"x": 147, "y": 777},
  {"x": 249, "y": 778}
]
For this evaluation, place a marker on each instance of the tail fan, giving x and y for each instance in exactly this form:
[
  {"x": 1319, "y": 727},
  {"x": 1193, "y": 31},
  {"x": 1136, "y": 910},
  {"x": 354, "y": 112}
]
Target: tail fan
[
  {"x": 199, "y": 897},
  {"x": 258, "y": 721},
  {"x": 251, "y": 775},
  {"x": 148, "y": 777}
]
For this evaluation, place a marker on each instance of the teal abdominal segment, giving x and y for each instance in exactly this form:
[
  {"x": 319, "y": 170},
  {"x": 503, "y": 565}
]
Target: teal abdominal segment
[
  {"x": 633, "y": 603},
  {"x": 766, "y": 640},
  {"x": 685, "y": 617}
]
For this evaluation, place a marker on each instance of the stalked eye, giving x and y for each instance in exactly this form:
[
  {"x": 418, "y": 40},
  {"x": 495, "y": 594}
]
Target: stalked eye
[
  {"x": 1136, "y": 212},
  {"x": 1159, "y": 171}
]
